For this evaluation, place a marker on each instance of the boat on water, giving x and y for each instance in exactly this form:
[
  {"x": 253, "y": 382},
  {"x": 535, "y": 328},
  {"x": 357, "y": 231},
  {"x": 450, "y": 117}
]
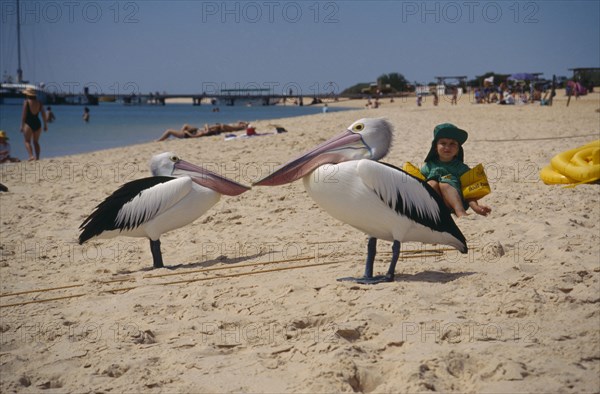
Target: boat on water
[
  {"x": 11, "y": 90},
  {"x": 12, "y": 93}
]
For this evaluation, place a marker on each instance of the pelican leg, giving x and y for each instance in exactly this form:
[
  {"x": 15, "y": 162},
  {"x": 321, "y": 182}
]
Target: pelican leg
[
  {"x": 368, "y": 278},
  {"x": 395, "y": 254},
  {"x": 156, "y": 253},
  {"x": 371, "y": 251}
]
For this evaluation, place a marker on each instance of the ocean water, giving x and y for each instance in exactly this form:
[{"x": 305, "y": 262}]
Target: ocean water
[{"x": 112, "y": 124}]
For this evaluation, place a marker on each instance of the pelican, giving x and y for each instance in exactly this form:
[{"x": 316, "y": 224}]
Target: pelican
[
  {"x": 344, "y": 178},
  {"x": 177, "y": 194}
]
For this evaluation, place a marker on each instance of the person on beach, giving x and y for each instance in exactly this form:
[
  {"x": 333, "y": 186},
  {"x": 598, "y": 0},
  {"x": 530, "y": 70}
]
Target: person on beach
[
  {"x": 50, "y": 115},
  {"x": 454, "y": 100},
  {"x": 5, "y": 149},
  {"x": 86, "y": 114},
  {"x": 224, "y": 128},
  {"x": 435, "y": 98},
  {"x": 188, "y": 131},
  {"x": 31, "y": 127},
  {"x": 444, "y": 166}
]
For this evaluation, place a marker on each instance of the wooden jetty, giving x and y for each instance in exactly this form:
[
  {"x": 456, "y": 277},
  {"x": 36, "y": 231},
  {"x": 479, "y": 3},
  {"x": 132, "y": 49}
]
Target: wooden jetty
[{"x": 227, "y": 97}]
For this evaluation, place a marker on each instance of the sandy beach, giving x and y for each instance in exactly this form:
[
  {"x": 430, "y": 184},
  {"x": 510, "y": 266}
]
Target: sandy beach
[{"x": 253, "y": 304}]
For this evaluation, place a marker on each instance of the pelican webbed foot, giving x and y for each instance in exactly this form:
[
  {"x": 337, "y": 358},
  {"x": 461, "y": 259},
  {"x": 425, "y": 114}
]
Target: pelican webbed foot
[{"x": 373, "y": 280}]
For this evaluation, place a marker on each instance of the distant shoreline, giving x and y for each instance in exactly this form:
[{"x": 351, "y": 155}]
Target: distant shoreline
[{"x": 306, "y": 100}]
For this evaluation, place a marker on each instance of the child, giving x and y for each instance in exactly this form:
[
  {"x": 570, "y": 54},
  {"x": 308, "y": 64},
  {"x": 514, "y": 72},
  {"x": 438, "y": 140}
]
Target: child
[
  {"x": 5, "y": 156},
  {"x": 50, "y": 115},
  {"x": 444, "y": 166}
]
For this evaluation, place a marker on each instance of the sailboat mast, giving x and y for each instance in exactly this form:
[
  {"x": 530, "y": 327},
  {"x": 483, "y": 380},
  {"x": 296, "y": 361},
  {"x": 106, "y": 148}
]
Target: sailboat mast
[{"x": 19, "y": 70}]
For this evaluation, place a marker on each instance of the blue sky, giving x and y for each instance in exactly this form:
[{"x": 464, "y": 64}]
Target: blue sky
[{"x": 191, "y": 46}]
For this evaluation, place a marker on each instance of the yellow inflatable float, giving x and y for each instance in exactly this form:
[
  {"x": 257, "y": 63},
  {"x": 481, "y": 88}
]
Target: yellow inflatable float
[{"x": 575, "y": 166}]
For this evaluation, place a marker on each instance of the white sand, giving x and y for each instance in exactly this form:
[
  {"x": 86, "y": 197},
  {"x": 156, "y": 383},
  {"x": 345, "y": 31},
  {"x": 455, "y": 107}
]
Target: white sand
[{"x": 518, "y": 313}]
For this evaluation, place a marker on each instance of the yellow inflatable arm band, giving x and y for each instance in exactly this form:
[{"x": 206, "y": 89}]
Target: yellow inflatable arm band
[
  {"x": 474, "y": 182},
  {"x": 413, "y": 170}
]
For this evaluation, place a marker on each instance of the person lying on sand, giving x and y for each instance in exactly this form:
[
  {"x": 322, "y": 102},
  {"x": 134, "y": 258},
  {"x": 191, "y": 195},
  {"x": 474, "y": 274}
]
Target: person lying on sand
[
  {"x": 188, "y": 131},
  {"x": 224, "y": 128},
  {"x": 251, "y": 132}
]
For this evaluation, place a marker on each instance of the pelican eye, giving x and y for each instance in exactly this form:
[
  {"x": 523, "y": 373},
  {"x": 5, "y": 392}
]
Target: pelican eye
[
  {"x": 174, "y": 159},
  {"x": 358, "y": 127}
]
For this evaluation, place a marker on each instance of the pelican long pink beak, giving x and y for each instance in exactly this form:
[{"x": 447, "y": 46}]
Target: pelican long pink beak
[
  {"x": 343, "y": 147},
  {"x": 212, "y": 180}
]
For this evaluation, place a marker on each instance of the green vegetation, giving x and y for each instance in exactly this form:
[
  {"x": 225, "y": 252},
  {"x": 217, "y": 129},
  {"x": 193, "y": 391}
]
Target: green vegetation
[
  {"x": 394, "y": 81},
  {"x": 386, "y": 83},
  {"x": 356, "y": 89}
]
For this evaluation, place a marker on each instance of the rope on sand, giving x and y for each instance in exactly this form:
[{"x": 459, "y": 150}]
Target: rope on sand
[
  {"x": 407, "y": 254},
  {"x": 125, "y": 289},
  {"x": 38, "y": 291},
  {"x": 44, "y": 300},
  {"x": 417, "y": 251},
  {"x": 237, "y": 275},
  {"x": 225, "y": 268},
  {"x": 157, "y": 276},
  {"x": 436, "y": 252},
  {"x": 539, "y": 139},
  {"x": 131, "y": 278}
]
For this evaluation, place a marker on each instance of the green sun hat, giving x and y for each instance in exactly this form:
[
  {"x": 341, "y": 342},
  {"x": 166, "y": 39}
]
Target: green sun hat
[{"x": 448, "y": 130}]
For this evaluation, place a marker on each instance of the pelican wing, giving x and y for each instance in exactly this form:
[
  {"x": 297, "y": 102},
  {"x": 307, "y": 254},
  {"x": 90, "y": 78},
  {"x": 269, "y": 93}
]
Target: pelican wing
[
  {"x": 403, "y": 193},
  {"x": 413, "y": 198},
  {"x": 153, "y": 201},
  {"x": 135, "y": 203}
]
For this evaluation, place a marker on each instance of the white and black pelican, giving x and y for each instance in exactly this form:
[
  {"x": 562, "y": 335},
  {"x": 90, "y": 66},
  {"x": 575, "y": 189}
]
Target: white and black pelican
[
  {"x": 177, "y": 194},
  {"x": 344, "y": 177}
]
